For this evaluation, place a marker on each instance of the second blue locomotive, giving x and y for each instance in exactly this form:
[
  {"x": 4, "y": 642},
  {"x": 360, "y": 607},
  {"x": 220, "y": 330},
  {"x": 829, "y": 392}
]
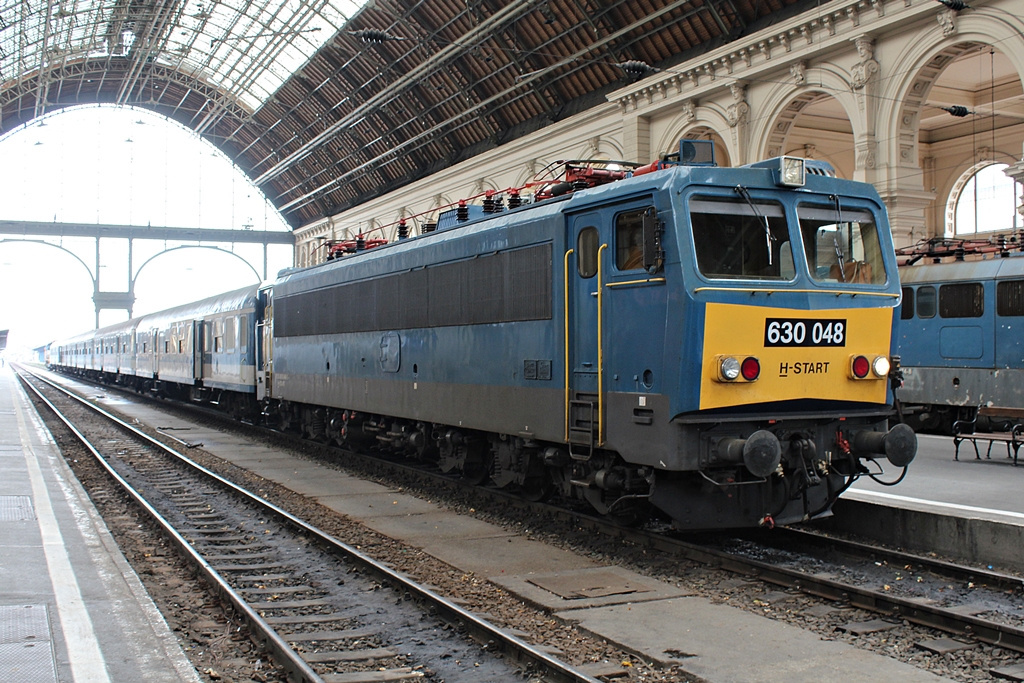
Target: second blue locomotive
[{"x": 960, "y": 341}]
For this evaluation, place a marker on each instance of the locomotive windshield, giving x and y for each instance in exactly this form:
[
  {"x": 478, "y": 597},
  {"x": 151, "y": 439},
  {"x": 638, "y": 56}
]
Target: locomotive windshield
[
  {"x": 841, "y": 244},
  {"x": 741, "y": 239}
]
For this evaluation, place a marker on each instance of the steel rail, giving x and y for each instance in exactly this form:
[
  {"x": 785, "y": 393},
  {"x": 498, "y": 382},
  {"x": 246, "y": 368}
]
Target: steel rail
[
  {"x": 519, "y": 651},
  {"x": 296, "y": 668},
  {"x": 999, "y": 580}
]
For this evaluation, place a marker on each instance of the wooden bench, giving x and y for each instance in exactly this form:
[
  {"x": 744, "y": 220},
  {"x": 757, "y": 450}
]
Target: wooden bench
[{"x": 963, "y": 430}]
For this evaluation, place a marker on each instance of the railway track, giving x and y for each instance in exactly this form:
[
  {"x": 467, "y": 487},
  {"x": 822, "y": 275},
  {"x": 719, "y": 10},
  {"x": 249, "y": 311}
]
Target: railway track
[
  {"x": 972, "y": 604},
  {"x": 968, "y": 602},
  {"x": 324, "y": 610}
]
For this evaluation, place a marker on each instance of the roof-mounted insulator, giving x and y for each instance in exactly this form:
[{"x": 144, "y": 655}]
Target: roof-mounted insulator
[
  {"x": 514, "y": 200},
  {"x": 957, "y": 110},
  {"x": 462, "y": 211},
  {"x": 634, "y": 68},
  {"x": 360, "y": 242},
  {"x": 429, "y": 227},
  {"x": 374, "y": 36},
  {"x": 403, "y": 230},
  {"x": 488, "y": 202}
]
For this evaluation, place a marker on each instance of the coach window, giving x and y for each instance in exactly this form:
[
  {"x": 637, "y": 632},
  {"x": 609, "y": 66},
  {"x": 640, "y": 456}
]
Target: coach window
[
  {"x": 926, "y": 302},
  {"x": 587, "y": 245},
  {"x": 629, "y": 240},
  {"x": 229, "y": 334},
  {"x": 734, "y": 238},
  {"x": 907, "y": 307},
  {"x": 243, "y": 333},
  {"x": 1010, "y": 297},
  {"x": 965, "y": 300}
]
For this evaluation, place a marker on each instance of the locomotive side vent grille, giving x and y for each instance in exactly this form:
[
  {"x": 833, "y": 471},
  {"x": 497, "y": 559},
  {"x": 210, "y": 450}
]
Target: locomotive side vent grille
[{"x": 508, "y": 286}]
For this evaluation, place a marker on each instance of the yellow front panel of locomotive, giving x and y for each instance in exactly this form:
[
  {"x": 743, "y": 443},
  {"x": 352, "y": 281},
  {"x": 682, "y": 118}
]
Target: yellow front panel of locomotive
[{"x": 815, "y": 368}]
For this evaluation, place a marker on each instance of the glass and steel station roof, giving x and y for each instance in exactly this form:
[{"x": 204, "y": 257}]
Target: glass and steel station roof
[
  {"x": 246, "y": 49},
  {"x": 327, "y": 103}
]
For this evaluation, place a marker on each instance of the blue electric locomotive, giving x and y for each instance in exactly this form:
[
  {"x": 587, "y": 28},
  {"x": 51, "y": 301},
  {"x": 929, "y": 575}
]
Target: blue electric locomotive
[
  {"x": 715, "y": 342},
  {"x": 710, "y": 342},
  {"x": 960, "y": 335}
]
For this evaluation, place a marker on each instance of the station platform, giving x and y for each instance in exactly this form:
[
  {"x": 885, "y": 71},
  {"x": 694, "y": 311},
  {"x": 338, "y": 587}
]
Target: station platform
[
  {"x": 71, "y": 607},
  {"x": 983, "y": 488},
  {"x": 969, "y": 510}
]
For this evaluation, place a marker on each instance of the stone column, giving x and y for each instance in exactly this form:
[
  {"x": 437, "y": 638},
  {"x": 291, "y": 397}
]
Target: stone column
[
  {"x": 907, "y": 214},
  {"x": 738, "y": 114},
  {"x": 636, "y": 137},
  {"x": 1016, "y": 171}
]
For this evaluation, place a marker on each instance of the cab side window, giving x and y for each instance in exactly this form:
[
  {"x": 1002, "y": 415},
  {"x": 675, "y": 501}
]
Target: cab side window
[
  {"x": 629, "y": 240},
  {"x": 587, "y": 245}
]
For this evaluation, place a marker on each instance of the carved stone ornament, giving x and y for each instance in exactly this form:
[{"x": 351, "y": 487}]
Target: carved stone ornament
[
  {"x": 689, "y": 112},
  {"x": 947, "y": 20},
  {"x": 799, "y": 72},
  {"x": 866, "y": 69},
  {"x": 740, "y": 111}
]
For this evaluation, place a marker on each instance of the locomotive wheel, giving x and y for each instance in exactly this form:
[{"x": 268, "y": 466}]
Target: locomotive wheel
[
  {"x": 537, "y": 488},
  {"x": 476, "y": 469}
]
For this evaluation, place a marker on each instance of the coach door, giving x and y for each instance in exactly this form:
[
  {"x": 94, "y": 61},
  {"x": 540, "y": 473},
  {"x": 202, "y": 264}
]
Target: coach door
[
  {"x": 584, "y": 381},
  {"x": 265, "y": 345}
]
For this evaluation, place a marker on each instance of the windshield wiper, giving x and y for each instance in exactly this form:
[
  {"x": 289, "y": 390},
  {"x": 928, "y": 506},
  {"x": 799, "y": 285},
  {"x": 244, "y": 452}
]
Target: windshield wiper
[
  {"x": 768, "y": 236},
  {"x": 835, "y": 238}
]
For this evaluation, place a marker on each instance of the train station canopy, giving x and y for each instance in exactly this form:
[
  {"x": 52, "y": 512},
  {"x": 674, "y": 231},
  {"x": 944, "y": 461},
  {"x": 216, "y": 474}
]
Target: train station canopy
[{"x": 328, "y": 103}]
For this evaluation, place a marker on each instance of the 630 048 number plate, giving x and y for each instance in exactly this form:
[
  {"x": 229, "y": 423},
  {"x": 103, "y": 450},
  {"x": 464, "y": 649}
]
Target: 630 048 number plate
[{"x": 804, "y": 332}]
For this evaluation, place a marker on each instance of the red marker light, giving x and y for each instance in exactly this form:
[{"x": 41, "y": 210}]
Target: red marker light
[
  {"x": 861, "y": 367},
  {"x": 750, "y": 369}
]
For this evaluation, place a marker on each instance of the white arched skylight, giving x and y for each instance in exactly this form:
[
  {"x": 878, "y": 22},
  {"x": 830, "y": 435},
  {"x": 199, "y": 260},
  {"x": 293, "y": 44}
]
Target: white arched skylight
[
  {"x": 248, "y": 48},
  {"x": 984, "y": 199}
]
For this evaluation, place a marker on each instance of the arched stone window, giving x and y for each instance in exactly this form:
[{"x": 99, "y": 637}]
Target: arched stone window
[{"x": 983, "y": 199}]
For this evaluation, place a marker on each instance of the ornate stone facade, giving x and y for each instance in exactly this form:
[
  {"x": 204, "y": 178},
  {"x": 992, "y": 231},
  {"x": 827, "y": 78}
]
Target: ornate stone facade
[{"x": 850, "y": 81}]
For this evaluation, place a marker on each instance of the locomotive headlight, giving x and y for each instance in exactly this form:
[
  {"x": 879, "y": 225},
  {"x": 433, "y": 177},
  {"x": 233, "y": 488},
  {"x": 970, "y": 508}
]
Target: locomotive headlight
[
  {"x": 738, "y": 369},
  {"x": 880, "y": 366},
  {"x": 729, "y": 368},
  {"x": 792, "y": 171}
]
